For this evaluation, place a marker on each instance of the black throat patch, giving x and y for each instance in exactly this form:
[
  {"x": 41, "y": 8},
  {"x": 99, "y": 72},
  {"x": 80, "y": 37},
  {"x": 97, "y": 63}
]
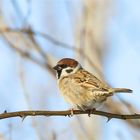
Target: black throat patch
[{"x": 59, "y": 73}]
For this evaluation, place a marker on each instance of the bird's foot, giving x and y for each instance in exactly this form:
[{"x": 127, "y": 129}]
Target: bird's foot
[
  {"x": 90, "y": 111},
  {"x": 71, "y": 112}
]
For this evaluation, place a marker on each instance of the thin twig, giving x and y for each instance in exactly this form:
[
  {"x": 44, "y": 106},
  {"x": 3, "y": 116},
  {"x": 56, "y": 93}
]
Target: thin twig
[
  {"x": 47, "y": 37},
  {"x": 110, "y": 116},
  {"x": 27, "y": 55}
]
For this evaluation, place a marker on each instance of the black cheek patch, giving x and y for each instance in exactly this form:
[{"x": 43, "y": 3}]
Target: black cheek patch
[{"x": 69, "y": 71}]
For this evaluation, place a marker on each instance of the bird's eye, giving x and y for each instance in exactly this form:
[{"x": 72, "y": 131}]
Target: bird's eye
[{"x": 63, "y": 66}]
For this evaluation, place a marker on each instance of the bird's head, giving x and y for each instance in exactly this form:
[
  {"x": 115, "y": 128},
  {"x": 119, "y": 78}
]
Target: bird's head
[{"x": 66, "y": 66}]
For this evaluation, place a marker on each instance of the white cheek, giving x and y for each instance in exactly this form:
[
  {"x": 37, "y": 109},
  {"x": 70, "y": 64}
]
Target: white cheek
[
  {"x": 64, "y": 73},
  {"x": 73, "y": 70}
]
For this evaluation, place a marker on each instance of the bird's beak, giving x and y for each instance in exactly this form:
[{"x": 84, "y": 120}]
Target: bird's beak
[{"x": 57, "y": 67}]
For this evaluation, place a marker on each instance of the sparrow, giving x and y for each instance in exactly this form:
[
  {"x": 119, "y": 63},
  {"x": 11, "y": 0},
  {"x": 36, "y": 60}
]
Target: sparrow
[{"x": 80, "y": 88}]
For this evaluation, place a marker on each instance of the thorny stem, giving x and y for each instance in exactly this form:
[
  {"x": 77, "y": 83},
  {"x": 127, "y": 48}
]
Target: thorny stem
[{"x": 24, "y": 114}]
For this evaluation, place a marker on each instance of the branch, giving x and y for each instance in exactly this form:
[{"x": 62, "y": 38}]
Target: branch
[
  {"x": 24, "y": 114},
  {"x": 51, "y": 39},
  {"x": 27, "y": 54}
]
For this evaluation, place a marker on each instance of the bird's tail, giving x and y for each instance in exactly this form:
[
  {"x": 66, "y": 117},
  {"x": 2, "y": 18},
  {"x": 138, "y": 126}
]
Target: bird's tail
[{"x": 117, "y": 90}]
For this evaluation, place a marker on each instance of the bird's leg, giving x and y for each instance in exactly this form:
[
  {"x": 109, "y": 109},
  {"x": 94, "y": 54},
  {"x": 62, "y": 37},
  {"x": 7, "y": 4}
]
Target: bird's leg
[
  {"x": 71, "y": 112},
  {"x": 90, "y": 111}
]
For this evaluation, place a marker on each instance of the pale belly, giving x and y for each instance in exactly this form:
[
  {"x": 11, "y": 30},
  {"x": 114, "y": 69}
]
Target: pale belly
[{"x": 81, "y": 98}]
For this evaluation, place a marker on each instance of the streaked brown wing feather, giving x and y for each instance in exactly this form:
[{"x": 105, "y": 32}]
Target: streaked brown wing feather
[{"x": 89, "y": 81}]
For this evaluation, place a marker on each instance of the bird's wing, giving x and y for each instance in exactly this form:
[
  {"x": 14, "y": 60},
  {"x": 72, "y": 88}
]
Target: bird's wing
[{"x": 89, "y": 81}]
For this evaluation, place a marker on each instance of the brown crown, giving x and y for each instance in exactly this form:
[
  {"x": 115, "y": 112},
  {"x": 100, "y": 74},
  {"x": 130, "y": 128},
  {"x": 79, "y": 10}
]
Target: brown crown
[{"x": 68, "y": 61}]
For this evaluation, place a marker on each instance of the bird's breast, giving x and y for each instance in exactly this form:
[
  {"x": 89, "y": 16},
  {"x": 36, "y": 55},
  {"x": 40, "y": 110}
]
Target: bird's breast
[
  {"x": 68, "y": 91},
  {"x": 73, "y": 93}
]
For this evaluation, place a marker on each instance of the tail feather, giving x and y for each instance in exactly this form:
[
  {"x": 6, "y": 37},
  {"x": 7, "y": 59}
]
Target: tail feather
[{"x": 125, "y": 90}]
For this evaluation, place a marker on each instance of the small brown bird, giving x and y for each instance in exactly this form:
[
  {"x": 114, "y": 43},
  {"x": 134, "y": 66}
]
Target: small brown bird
[{"x": 80, "y": 88}]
